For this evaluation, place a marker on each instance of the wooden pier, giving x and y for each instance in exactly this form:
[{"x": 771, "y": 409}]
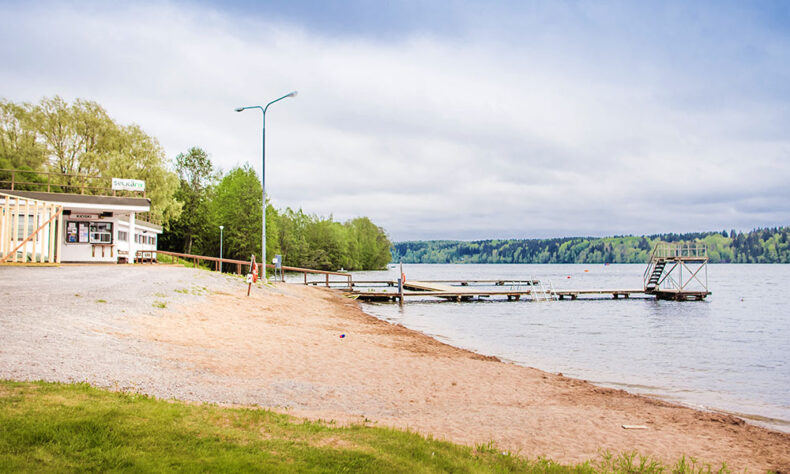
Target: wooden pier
[
  {"x": 455, "y": 292},
  {"x": 394, "y": 283},
  {"x": 675, "y": 272}
]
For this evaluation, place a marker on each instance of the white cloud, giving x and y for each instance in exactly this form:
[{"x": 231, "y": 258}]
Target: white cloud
[{"x": 469, "y": 137}]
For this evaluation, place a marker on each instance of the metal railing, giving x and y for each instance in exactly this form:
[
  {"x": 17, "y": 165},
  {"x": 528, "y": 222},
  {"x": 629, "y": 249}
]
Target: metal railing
[
  {"x": 44, "y": 181},
  {"x": 23, "y": 180},
  {"x": 149, "y": 256},
  {"x": 665, "y": 250}
]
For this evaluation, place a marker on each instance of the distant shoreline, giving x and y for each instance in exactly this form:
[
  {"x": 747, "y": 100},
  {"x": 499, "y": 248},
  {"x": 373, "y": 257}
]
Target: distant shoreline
[{"x": 762, "y": 245}]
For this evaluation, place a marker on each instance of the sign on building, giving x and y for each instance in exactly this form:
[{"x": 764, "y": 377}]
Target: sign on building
[{"x": 120, "y": 184}]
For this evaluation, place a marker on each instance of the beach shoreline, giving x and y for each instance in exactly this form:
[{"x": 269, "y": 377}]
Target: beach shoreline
[{"x": 281, "y": 348}]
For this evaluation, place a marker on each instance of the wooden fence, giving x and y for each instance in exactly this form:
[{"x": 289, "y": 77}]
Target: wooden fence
[
  {"x": 149, "y": 256},
  {"x": 29, "y": 230}
]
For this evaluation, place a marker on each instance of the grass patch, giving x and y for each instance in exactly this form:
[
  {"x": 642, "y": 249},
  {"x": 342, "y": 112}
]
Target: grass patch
[
  {"x": 101, "y": 301},
  {"x": 160, "y": 304},
  {"x": 162, "y": 258},
  {"x": 74, "y": 427}
]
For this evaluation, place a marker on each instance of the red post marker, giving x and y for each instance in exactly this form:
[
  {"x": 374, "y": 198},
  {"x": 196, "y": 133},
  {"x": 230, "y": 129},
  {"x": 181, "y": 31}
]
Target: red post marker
[{"x": 253, "y": 275}]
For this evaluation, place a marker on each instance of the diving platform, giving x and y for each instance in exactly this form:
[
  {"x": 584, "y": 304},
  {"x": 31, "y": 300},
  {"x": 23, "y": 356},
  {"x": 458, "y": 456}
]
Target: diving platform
[{"x": 677, "y": 272}]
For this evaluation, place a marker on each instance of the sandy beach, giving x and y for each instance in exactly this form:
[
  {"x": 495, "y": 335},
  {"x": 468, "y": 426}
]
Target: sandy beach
[
  {"x": 281, "y": 348},
  {"x": 397, "y": 377}
]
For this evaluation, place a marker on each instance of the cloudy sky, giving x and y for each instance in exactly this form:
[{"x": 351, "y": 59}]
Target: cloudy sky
[{"x": 453, "y": 119}]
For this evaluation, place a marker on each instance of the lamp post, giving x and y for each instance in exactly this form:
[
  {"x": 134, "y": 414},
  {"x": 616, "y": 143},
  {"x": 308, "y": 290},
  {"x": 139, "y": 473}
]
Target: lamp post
[
  {"x": 220, "y": 247},
  {"x": 263, "y": 171}
]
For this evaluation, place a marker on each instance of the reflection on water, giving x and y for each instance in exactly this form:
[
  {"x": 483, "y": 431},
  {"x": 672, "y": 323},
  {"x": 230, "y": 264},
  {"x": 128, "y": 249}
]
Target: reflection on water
[{"x": 730, "y": 352}]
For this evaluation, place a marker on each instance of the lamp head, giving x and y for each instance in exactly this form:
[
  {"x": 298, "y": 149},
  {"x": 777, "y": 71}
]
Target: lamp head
[
  {"x": 292, "y": 94},
  {"x": 239, "y": 109},
  {"x": 221, "y": 227}
]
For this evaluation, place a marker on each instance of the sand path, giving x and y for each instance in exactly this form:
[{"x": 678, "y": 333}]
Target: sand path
[{"x": 282, "y": 349}]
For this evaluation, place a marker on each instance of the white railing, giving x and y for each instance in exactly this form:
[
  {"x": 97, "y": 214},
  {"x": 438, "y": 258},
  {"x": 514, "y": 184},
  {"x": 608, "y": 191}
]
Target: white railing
[{"x": 694, "y": 250}]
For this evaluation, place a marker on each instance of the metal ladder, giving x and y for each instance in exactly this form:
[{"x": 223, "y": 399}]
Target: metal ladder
[{"x": 541, "y": 293}]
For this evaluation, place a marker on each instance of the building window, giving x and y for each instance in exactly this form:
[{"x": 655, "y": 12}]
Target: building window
[
  {"x": 80, "y": 232},
  {"x": 77, "y": 232},
  {"x": 26, "y": 225},
  {"x": 123, "y": 236},
  {"x": 101, "y": 232}
]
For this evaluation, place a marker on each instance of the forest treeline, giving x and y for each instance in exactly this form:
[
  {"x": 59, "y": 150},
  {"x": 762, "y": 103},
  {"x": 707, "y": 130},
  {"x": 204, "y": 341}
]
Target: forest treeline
[
  {"x": 768, "y": 245},
  {"x": 189, "y": 196}
]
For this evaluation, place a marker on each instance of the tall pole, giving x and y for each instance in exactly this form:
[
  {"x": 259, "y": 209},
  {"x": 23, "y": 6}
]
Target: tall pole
[
  {"x": 263, "y": 173},
  {"x": 263, "y": 194},
  {"x": 220, "y": 247}
]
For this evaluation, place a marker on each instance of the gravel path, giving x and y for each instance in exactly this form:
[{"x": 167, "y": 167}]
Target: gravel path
[{"x": 76, "y": 324}]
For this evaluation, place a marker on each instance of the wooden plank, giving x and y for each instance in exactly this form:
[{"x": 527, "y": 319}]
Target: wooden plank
[
  {"x": 6, "y": 214},
  {"x": 26, "y": 223},
  {"x": 38, "y": 241},
  {"x": 421, "y": 285},
  {"x": 50, "y": 256},
  {"x": 42, "y": 236},
  {"x": 59, "y": 237},
  {"x": 14, "y": 229},
  {"x": 39, "y": 217}
]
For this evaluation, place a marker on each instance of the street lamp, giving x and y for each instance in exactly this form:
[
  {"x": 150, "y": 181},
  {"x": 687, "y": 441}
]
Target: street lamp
[
  {"x": 220, "y": 247},
  {"x": 263, "y": 171}
]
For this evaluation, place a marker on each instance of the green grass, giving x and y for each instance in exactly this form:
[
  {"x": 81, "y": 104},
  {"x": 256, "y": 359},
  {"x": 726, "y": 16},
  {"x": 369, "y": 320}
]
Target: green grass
[
  {"x": 160, "y": 304},
  {"x": 74, "y": 427}
]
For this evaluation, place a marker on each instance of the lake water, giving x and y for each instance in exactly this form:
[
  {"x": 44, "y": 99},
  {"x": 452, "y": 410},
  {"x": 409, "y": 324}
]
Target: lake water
[{"x": 729, "y": 353}]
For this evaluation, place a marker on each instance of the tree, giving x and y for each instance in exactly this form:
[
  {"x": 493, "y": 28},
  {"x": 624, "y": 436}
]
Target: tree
[
  {"x": 19, "y": 148},
  {"x": 196, "y": 176},
  {"x": 372, "y": 245},
  {"x": 137, "y": 155},
  {"x": 236, "y": 204}
]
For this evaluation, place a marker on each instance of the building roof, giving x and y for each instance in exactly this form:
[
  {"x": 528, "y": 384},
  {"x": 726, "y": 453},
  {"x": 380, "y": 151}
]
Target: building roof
[
  {"x": 86, "y": 201},
  {"x": 144, "y": 224}
]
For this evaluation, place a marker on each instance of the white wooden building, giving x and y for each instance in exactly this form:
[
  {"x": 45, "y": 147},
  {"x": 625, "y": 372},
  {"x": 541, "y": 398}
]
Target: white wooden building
[{"x": 45, "y": 227}]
